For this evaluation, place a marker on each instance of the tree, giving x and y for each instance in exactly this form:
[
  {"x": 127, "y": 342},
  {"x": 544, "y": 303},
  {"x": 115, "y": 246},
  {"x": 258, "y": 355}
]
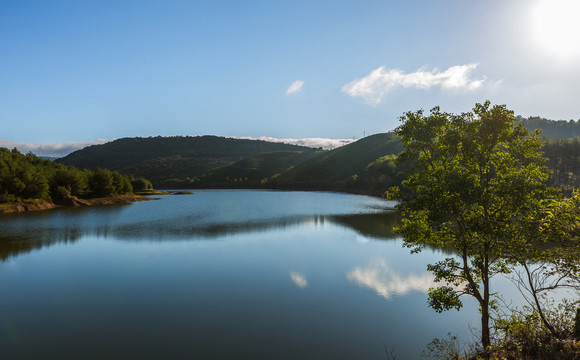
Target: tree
[
  {"x": 74, "y": 180},
  {"x": 25, "y": 177},
  {"x": 475, "y": 177},
  {"x": 101, "y": 183},
  {"x": 549, "y": 258},
  {"x": 121, "y": 184},
  {"x": 141, "y": 184}
]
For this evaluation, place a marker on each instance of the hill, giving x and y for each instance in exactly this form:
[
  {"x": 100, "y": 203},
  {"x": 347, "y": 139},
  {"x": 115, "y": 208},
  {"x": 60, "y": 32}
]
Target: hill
[
  {"x": 215, "y": 162},
  {"x": 254, "y": 171},
  {"x": 363, "y": 166},
  {"x": 552, "y": 129},
  {"x": 366, "y": 166},
  {"x": 561, "y": 148},
  {"x": 170, "y": 162}
]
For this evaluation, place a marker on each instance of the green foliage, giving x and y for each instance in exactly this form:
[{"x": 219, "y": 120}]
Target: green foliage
[
  {"x": 442, "y": 349},
  {"x": 60, "y": 195},
  {"x": 24, "y": 177},
  {"x": 522, "y": 334},
  {"x": 564, "y": 162},
  {"x": 101, "y": 183},
  {"x": 255, "y": 171},
  {"x": 552, "y": 129},
  {"x": 444, "y": 298},
  {"x": 75, "y": 181},
  {"x": 172, "y": 161},
  {"x": 141, "y": 184},
  {"x": 559, "y": 226},
  {"x": 334, "y": 170},
  {"x": 121, "y": 184},
  {"x": 475, "y": 178}
]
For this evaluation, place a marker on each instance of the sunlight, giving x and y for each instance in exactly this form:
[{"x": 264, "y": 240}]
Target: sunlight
[{"x": 556, "y": 28}]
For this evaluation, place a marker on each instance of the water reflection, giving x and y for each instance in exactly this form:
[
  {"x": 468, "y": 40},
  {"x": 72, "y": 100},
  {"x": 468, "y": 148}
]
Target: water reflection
[
  {"x": 22, "y": 236},
  {"x": 298, "y": 279},
  {"x": 386, "y": 282},
  {"x": 34, "y": 240},
  {"x": 378, "y": 225}
]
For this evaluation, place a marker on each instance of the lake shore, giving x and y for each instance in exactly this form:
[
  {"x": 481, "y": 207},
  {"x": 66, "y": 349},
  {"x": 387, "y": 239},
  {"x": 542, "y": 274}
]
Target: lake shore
[{"x": 38, "y": 205}]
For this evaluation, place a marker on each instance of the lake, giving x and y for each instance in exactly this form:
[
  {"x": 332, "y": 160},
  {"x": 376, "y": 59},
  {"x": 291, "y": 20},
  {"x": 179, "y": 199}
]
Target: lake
[{"x": 221, "y": 274}]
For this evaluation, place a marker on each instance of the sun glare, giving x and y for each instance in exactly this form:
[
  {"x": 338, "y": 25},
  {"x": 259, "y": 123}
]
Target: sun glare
[{"x": 556, "y": 27}]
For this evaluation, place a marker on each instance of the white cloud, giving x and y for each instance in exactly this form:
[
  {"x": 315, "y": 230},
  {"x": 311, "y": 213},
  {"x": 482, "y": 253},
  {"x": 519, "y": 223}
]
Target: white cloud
[
  {"x": 53, "y": 150},
  {"x": 325, "y": 143},
  {"x": 386, "y": 282},
  {"x": 295, "y": 87},
  {"x": 298, "y": 279},
  {"x": 373, "y": 87}
]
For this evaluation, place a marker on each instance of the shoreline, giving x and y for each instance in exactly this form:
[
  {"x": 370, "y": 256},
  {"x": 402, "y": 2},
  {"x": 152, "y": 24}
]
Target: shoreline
[{"x": 39, "y": 205}]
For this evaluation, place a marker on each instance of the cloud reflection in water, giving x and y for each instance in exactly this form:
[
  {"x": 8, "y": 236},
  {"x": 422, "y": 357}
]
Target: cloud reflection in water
[
  {"x": 378, "y": 276},
  {"x": 299, "y": 279}
]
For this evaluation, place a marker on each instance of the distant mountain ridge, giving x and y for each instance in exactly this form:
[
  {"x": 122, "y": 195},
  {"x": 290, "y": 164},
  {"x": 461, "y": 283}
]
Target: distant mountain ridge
[
  {"x": 218, "y": 162},
  {"x": 365, "y": 166},
  {"x": 552, "y": 129},
  {"x": 171, "y": 161}
]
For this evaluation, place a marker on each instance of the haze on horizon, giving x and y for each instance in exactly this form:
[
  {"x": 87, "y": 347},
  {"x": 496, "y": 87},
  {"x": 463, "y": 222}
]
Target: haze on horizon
[{"x": 81, "y": 72}]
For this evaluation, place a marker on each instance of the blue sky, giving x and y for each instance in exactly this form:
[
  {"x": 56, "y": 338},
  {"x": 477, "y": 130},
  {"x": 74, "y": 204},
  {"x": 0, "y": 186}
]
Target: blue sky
[{"x": 73, "y": 72}]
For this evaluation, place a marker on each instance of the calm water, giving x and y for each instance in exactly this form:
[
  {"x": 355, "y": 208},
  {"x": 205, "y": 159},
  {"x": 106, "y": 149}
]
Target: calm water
[{"x": 217, "y": 275}]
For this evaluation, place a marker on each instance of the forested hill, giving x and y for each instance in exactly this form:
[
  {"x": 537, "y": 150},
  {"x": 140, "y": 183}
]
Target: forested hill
[
  {"x": 172, "y": 161},
  {"x": 552, "y": 129},
  {"x": 367, "y": 165}
]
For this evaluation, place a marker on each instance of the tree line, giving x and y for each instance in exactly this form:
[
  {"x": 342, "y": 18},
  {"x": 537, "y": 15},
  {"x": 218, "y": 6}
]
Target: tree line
[
  {"x": 552, "y": 129},
  {"x": 564, "y": 162},
  {"x": 26, "y": 176}
]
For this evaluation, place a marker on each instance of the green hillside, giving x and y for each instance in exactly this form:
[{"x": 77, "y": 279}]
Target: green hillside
[
  {"x": 215, "y": 162},
  {"x": 254, "y": 171},
  {"x": 561, "y": 148},
  {"x": 362, "y": 166},
  {"x": 552, "y": 129},
  {"x": 172, "y": 162},
  {"x": 366, "y": 166}
]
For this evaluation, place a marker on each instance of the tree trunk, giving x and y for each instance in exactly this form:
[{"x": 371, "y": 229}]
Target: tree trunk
[
  {"x": 485, "y": 333},
  {"x": 577, "y": 324}
]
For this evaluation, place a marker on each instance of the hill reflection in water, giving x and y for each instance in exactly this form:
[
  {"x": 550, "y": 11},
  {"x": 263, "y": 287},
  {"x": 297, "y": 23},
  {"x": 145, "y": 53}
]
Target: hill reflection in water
[{"x": 23, "y": 233}]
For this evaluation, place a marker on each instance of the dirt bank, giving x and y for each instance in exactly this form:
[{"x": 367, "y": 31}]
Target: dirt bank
[{"x": 37, "y": 205}]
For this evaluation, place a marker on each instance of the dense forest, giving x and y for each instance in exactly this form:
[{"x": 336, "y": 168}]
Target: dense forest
[
  {"x": 564, "y": 162},
  {"x": 552, "y": 129},
  {"x": 366, "y": 166},
  {"x": 25, "y": 177},
  {"x": 561, "y": 149},
  {"x": 172, "y": 162}
]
